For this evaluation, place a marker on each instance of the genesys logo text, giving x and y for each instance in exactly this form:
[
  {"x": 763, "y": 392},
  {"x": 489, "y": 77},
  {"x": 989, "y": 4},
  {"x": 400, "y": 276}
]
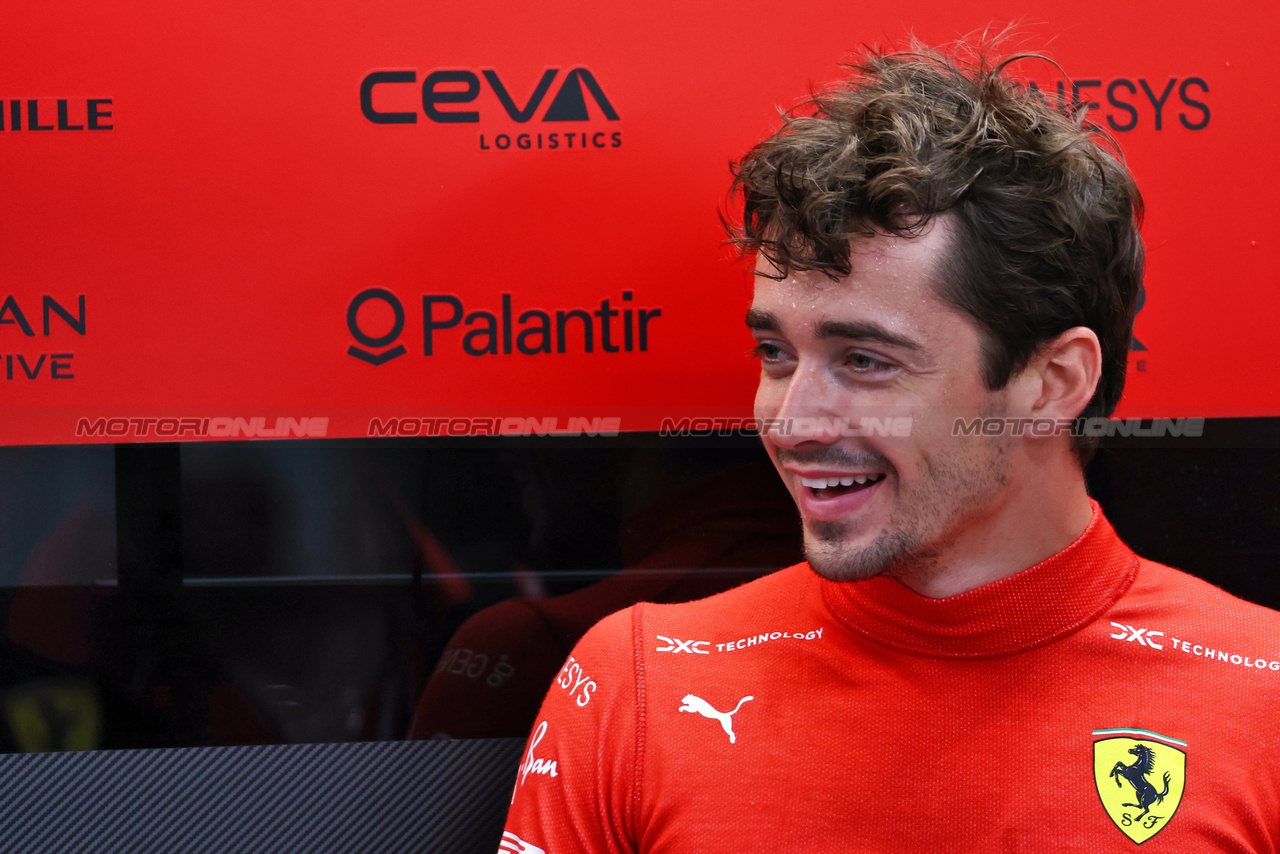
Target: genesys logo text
[
  {"x": 490, "y": 99},
  {"x": 502, "y": 330},
  {"x": 575, "y": 680},
  {"x": 56, "y": 323},
  {"x": 1125, "y": 104}
]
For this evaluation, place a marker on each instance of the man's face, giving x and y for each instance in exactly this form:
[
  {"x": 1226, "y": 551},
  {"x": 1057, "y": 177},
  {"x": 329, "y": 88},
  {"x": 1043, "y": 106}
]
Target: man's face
[{"x": 879, "y": 345}]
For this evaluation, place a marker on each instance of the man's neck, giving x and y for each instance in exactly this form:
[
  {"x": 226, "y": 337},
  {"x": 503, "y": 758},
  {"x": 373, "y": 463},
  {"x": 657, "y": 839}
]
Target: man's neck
[{"x": 1030, "y": 524}]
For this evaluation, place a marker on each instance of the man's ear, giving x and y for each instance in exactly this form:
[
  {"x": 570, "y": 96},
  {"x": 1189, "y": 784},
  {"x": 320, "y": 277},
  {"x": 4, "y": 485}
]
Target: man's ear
[{"x": 1064, "y": 374}]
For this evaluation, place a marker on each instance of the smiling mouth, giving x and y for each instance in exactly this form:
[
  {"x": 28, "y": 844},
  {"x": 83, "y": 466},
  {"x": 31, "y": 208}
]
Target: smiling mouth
[{"x": 834, "y": 487}]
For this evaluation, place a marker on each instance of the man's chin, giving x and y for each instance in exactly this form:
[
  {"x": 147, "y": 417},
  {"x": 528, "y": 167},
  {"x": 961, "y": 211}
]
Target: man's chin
[{"x": 844, "y": 558}]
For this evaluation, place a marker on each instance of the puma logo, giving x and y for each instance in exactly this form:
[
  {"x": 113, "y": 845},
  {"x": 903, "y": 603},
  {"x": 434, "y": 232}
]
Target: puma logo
[{"x": 702, "y": 707}]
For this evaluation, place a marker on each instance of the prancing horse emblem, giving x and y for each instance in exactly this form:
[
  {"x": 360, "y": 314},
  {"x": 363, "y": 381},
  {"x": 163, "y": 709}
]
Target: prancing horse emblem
[
  {"x": 702, "y": 707},
  {"x": 1136, "y": 774},
  {"x": 1126, "y": 762}
]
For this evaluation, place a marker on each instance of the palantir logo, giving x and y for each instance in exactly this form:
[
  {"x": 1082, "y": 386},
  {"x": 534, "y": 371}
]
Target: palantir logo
[
  {"x": 613, "y": 327},
  {"x": 375, "y": 341}
]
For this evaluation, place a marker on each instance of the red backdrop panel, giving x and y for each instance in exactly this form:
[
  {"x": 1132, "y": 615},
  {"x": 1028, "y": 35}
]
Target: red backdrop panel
[{"x": 195, "y": 196}]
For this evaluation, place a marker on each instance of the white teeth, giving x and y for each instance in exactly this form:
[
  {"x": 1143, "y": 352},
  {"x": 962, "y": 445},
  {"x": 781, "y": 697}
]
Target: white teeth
[{"x": 828, "y": 482}]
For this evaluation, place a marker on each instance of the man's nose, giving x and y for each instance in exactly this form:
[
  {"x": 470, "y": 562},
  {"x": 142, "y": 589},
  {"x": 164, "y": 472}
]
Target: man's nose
[{"x": 811, "y": 409}]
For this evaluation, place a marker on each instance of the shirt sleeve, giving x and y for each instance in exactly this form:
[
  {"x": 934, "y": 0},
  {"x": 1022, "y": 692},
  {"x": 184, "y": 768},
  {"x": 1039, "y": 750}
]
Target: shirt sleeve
[{"x": 577, "y": 785}]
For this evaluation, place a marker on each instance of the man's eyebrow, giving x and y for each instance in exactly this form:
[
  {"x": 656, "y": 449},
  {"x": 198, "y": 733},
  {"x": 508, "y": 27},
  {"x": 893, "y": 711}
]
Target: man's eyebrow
[
  {"x": 865, "y": 331},
  {"x": 763, "y": 321}
]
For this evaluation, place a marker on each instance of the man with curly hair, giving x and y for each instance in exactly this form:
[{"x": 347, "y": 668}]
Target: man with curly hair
[{"x": 947, "y": 266}]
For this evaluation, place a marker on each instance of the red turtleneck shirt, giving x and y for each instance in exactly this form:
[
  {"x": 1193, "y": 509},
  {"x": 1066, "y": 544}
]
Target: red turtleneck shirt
[{"x": 795, "y": 714}]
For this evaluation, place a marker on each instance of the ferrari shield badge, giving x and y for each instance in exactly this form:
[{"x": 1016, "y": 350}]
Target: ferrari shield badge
[{"x": 1140, "y": 777}]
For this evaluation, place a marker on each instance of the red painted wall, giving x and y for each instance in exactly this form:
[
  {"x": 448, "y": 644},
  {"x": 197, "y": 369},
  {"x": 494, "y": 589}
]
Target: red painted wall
[{"x": 194, "y": 196}]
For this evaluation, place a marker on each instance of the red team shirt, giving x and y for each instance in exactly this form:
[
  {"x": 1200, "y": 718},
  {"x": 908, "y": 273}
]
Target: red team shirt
[{"x": 1090, "y": 703}]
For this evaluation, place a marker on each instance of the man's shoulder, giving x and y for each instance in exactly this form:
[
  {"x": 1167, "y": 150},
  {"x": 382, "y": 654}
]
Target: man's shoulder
[
  {"x": 1182, "y": 594},
  {"x": 788, "y": 588},
  {"x": 1175, "y": 611},
  {"x": 773, "y": 598}
]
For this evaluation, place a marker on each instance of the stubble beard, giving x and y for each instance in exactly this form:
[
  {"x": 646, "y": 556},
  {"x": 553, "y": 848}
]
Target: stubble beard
[
  {"x": 892, "y": 552},
  {"x": 953, "y": 486}
]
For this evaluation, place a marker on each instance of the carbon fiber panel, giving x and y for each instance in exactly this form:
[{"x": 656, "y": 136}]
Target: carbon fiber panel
[{"x": 420, "y": 796}]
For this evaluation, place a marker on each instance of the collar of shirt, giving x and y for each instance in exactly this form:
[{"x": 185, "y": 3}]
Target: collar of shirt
[{"x": 1037, "y": 606}]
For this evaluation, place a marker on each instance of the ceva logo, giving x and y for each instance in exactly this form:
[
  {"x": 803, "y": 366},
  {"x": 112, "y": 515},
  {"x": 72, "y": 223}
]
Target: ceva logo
[{"x": 462, "y": 86}]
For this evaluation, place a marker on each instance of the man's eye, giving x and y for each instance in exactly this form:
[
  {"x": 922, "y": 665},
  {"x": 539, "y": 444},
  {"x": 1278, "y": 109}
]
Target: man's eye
[
  {"x": 766, "y": 351},
  {"x": 864, "y": 362}
]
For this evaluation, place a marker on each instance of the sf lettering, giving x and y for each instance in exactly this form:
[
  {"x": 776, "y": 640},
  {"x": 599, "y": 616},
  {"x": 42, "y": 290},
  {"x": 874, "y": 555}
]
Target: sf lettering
[{"x": 1148, "y": 822}]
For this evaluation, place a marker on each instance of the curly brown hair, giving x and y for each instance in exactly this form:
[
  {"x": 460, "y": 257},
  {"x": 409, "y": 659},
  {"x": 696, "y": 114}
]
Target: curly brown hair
[{"x": 1047, "y": 214}]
